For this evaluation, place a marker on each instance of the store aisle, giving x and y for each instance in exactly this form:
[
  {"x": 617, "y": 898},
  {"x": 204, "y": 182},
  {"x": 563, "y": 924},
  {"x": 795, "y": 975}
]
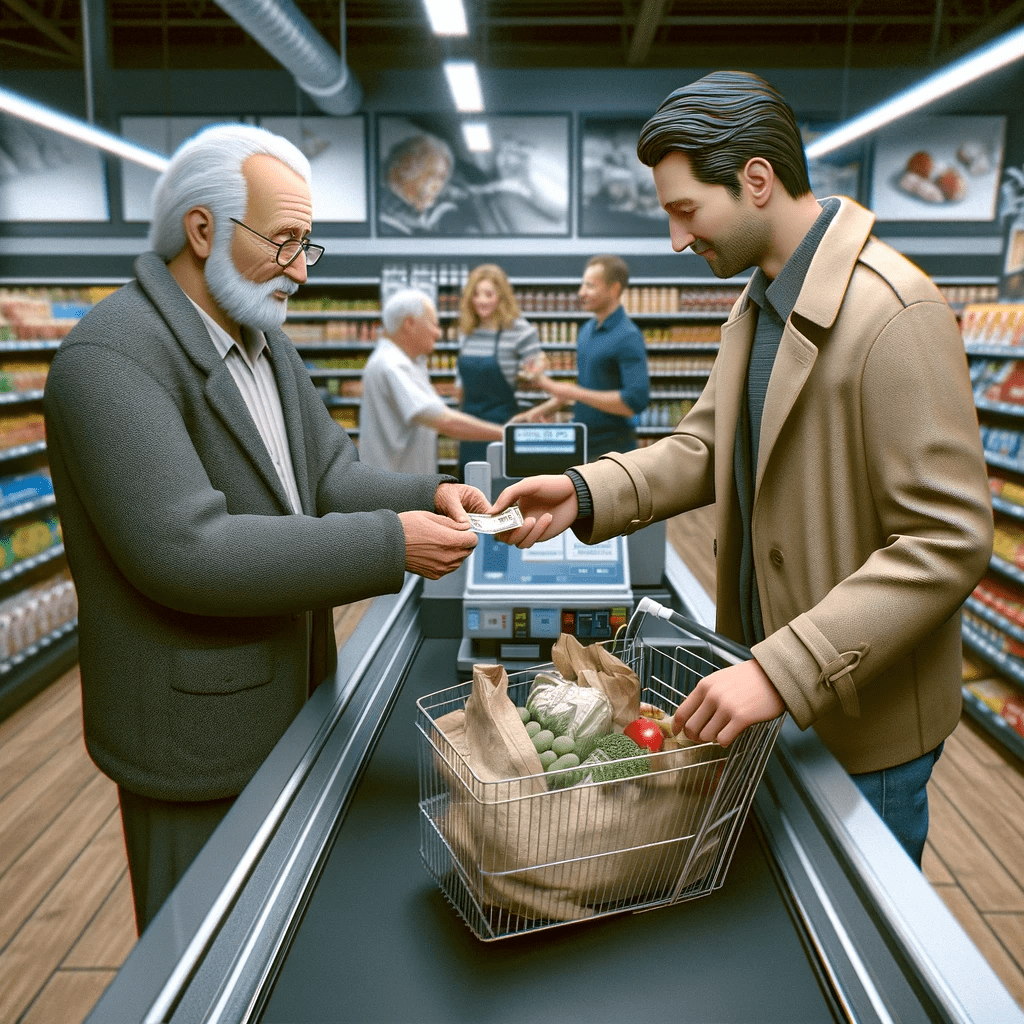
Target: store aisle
[{"x": 66, "y": 920}]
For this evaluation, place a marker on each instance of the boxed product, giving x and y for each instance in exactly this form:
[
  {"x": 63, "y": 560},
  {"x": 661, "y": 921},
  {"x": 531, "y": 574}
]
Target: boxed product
[{"x": 24, "y": 487}]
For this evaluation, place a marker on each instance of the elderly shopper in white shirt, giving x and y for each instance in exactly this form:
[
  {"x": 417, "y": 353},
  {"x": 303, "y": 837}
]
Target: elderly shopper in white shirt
[{"x": 402, "y": 413}]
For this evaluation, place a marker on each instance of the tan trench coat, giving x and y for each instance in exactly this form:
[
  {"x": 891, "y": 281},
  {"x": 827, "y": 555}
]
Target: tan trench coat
[{"x": 872, "y": 520}]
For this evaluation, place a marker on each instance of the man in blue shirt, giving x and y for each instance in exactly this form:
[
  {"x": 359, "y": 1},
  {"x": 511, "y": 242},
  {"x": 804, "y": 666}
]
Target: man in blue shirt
[{"x": 613, "y": 384}]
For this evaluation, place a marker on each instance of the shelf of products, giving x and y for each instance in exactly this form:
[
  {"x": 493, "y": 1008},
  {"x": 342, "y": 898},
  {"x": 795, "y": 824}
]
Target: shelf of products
[
  {"x": 38, "y": 607},
  {"x": 993, "y": 617}
]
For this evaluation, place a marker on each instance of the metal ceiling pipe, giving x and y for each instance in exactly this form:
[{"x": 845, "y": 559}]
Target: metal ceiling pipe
[{"x": 287, "y": 35}]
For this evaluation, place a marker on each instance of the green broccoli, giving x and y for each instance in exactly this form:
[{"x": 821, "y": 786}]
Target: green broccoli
[{"x": 602, "y": 761}]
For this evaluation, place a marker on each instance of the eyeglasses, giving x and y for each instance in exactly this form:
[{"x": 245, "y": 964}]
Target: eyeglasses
[{"x": 288, "y": 251}]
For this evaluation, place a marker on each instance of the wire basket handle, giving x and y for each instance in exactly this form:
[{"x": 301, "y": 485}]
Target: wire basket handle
[{"x": 648, "y": 606}]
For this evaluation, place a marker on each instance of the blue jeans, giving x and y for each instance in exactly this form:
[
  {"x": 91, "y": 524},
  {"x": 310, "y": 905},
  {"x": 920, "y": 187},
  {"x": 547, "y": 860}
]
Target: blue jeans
[{"x": 900, "y": 796}]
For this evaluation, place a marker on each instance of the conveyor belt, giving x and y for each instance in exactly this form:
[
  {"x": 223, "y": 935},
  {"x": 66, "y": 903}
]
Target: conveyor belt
[
  {"x": 309, "y": 903},
  {"x": 378, "y": 941}
]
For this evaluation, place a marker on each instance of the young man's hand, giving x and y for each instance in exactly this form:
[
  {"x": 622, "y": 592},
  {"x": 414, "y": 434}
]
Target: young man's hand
[
  {"x": 548, "y": 504},
  {"x": 724, "y": 703}
]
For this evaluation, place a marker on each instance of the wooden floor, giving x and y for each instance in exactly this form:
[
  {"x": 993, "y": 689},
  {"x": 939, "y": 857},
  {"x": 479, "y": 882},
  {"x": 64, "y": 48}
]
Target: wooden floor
[{"x": 66, "y": 921}]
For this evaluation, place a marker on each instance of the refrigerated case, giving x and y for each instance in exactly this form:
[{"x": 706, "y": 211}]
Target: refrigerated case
[{"x": 310, "y": 903}]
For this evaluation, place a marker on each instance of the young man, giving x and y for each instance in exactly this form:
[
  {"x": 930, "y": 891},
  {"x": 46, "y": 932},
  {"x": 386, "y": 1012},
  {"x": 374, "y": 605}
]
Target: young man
[
  {"x": 213, "y": 512},
  {"x": 401, "y": 413},
  {"x": 612, "y": 382},
  {"x": 838, "y": 440}
]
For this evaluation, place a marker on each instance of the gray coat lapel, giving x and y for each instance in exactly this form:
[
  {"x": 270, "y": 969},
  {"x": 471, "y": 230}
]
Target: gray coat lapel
[{"x": 220, "y": 389}]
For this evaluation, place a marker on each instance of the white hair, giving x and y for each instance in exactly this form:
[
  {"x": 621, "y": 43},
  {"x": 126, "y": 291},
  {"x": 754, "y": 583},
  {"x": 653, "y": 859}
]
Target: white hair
[
  {"x": 206, "y": 170},
  {"x": 405, "y": 302}
]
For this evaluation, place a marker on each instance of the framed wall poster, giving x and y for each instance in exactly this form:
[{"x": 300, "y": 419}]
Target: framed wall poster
[
  {"x": 617, "y": 197},
  {"x": 45, "y": 176},
  {"x": 430, "y": 183},
  {"x": 938, "y": 168},
  {"x": 834, "y": 176},
  {"x": 161, "y": 135},
  {"x": 336, "y": 150}
]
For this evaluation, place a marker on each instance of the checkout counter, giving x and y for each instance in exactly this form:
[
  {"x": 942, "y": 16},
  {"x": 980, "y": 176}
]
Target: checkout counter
[{"x": 310, "y": 902}]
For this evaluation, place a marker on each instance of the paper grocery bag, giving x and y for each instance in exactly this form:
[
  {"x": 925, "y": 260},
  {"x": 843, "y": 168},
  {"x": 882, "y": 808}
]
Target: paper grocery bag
[{"x": 560, "y": 855}]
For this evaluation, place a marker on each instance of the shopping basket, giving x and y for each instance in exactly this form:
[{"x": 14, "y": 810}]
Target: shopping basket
[{"x": 601, "y": 847}]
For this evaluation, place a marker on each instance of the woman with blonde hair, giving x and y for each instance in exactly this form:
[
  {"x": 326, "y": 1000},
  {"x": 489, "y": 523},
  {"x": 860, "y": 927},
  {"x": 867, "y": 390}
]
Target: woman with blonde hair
[{"x": 496, "y": 346}]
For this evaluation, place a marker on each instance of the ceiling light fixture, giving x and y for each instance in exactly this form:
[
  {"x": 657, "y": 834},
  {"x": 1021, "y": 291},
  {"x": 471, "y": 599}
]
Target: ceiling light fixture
[
  {"x": 1003, "y": 51},
  {"x": 477, "y": 136},
  {"x": 447, "y": 17},
  {"x": 29, "y": 110},
  {"x": 465, "y": 85}
]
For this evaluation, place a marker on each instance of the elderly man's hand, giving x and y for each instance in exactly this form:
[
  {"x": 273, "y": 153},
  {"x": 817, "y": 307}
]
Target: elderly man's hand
[
  {"x": 435, "y": 545},
  {"x": 455, "y": 500}
]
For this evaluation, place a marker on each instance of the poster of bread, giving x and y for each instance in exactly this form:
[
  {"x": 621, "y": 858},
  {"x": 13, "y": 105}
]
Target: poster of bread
[{"x": 938, "y": 168}]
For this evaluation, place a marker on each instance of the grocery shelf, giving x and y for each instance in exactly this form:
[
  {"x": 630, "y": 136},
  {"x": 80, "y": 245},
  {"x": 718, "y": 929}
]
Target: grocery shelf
[
  {"x": 995, "y": 351},
  {"x": 1008, "y": 665},
  {"x": 19, "y": 451},
  {"x": 16, "y": 397},
  {"x": 993, "y": 724},
  {"x": 24, "y": 507},
  {"x": 31, "y": 345},
  {"x": 994, "y": 618},
  {"x": 1004, "y": 462},
  {"x": 26, "y": 565},
  {"x": 1005, "y": 568},
  {"x": 1008, "y": 508},
  {"x": 1002, "y": 408},
  {"x": 34, "y": 668}
]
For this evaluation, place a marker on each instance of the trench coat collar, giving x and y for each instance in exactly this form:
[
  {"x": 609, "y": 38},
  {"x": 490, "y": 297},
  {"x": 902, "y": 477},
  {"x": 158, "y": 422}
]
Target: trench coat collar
[
  {"x": 222, "y": 393},
  {"x": 820, "y": 299}
]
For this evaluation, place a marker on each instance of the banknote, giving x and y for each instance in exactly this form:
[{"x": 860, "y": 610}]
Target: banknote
[{"x": 507, "y": 520}]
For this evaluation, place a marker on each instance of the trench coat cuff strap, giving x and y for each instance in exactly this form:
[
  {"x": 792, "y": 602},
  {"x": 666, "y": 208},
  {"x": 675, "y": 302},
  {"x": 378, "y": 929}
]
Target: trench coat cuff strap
[
  {"x": 836, "y": 669},
  {"x": 644, "y": 503}
]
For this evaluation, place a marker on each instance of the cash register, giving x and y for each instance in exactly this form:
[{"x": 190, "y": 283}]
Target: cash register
[{"x": 515, "y": 602}]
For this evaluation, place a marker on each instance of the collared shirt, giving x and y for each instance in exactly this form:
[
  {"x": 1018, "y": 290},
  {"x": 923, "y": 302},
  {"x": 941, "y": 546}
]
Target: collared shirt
[
  {"x": 610, "y": 356},
  {"x": 774, "y": 301},
  {"x": 397, "y": 395},
  {"x": 251, "y": 369}
]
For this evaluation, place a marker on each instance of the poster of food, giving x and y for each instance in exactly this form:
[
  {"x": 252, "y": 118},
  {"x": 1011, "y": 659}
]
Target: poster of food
[
  {"x": 938, "y": 168},
  {"x": 47, "y": 176},
  {"x": 430, "y": 183},
  {"x": 336, "y": 150},
  {"x": 617, "y": 197},
  {"x": 161, "y": 135}
]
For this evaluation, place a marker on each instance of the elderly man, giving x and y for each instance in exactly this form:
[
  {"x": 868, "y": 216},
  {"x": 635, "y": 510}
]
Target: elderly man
[
  {"x": 401, "y": 413},
  {"x": 837, "y": 438},
  {"x": 213, "y": 512}
]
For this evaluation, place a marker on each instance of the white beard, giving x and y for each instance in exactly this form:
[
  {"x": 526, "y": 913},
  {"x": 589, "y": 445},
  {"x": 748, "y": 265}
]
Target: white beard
[{"x": 247, "y": 303}]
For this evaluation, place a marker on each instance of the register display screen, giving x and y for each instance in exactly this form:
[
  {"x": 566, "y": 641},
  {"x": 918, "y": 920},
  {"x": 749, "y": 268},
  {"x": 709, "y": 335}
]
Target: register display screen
[
  {"x": 534, "y": 448},
  {"x": 562, "y": 562}
]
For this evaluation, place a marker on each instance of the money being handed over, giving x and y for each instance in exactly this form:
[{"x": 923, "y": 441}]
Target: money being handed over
[{"x": 507, "y": 520}]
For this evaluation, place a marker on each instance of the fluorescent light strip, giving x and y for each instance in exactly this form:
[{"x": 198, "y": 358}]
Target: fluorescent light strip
[
  {"x": 447, "y": 17},
  {"x": 477, "y": 136},
  {"x": 29, "y": 110},
  {"x": 982, "y": 62},
  {"x": 465, "y": 85}
]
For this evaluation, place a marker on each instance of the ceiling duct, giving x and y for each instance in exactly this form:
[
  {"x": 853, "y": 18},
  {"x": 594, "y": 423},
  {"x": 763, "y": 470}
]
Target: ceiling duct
[{"x": 287, "y": 35}]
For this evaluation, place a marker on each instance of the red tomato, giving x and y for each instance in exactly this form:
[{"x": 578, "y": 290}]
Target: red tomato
[{"x": 645, "y": 733}]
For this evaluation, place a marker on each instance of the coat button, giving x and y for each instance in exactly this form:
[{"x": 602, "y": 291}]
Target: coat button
[{"x": 776, "y": 556}]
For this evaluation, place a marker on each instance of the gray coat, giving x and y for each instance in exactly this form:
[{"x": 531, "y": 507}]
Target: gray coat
[{"x": 192, "y": 576}]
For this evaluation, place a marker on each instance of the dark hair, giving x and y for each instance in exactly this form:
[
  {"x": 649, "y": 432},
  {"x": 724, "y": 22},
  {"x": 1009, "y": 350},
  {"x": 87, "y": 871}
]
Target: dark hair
[
  {"x": 720, "y": 122},
  {"x": 614, "y": 268}
]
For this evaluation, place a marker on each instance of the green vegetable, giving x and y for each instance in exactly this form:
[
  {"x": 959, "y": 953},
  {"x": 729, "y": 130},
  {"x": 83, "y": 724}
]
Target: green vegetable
[
  {"x": 563, "y": 745},
  {"x": 543, "y": 740},
  {"x": 603, "y": 763},
  {"x": 548, "y": 758},
  {"x": 565, "y": 761},
  {"x": 533, "y": 728},
  {"x": 524, "y": 714}
]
